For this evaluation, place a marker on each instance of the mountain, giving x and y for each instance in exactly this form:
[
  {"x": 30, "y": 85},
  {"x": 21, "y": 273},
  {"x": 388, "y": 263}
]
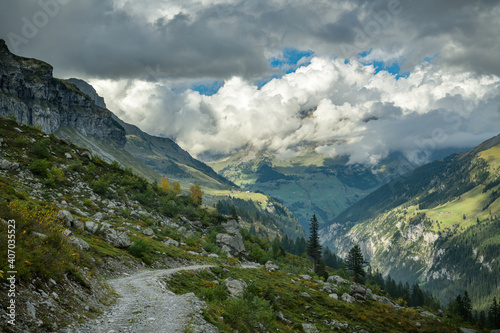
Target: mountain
[
  {"x": 73, "y": 110},
  {"x": 93, "y": 238},
  {"x": 309, "y": 183},
  {"x": 161, "y": 154},
  {"x": 438, "y": 224}
]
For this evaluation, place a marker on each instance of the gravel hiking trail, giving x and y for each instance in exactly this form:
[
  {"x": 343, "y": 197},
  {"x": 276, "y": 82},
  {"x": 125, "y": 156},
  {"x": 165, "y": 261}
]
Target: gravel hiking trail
[{"x": 145, "y": 305}]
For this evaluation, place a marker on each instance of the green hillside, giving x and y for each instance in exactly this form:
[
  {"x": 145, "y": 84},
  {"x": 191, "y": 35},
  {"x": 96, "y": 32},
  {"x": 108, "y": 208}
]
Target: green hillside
[
  {"x": 81, "y": 221},
  {"x": 307, "y": 184},
  {"x": 437, "y": 225}
]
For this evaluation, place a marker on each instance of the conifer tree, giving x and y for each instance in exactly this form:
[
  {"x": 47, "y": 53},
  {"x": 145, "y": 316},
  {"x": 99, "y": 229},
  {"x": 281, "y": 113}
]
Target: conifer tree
[
  {"x": 494, "y": 314},
  {"x": 356, "y": 263},
  {"x": 313, "y": 246}
]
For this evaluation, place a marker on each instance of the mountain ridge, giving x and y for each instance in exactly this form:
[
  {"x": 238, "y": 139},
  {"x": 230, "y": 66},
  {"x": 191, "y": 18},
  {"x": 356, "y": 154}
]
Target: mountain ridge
[{"x": 436, "y": 225}]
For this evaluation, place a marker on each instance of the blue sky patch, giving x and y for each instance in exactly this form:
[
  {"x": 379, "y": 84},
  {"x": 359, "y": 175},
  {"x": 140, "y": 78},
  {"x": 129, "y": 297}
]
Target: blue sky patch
[
  {"x": 208, "y": 89},
  {"x": 288, "y": 62}
]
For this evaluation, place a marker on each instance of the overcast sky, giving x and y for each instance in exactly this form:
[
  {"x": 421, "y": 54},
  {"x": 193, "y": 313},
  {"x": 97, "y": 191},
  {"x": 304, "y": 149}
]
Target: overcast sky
[{"x": 362, "y": 78}]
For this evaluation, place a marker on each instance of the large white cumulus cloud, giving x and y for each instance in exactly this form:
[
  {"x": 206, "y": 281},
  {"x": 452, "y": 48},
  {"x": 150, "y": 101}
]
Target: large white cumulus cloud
[{"x": 339, "y": 107}]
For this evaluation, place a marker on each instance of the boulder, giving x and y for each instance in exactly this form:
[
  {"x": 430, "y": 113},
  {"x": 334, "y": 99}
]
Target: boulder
[
  {"x": 39, "y": 235},
  {"x": 347, "y": 298},
  {"x": 68, "y": 156},
  {"x": 118, "y": 239},
  {"x": 105, "y": 226},
  {"x": 148, "y": 232},
  {"x": 7, "y": 165},
  {"x": 79, "y": 243},
  {"x": 428, "y": 314},
  {"x": 305, "y": 295},
  {"x": 232, "y": 244},
  {"x": 66, "y": 217},
  {"x": 306, "y": 277},
  {"x": 235, "y": 287},
  {"x": 98, "y": 216},
  {"x": 334, "y": 296},
  {"x": 335, "y": 279},
  {"x": 271, "y": 266},
  {"x": 91, "y": 227},
  {"x": 357, "y": 288},
  {"x": 171, "y": 242},
  {"x": 231, "y": 226},
  {"x": 87, "y": 154},
  {"x": 280, "y": 316},
  {"x": 77, "y": 224},
  {"x": 309, "y": 328}
]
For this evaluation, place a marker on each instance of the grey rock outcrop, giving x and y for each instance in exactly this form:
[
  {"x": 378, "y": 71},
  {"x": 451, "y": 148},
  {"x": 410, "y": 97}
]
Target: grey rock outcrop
[
  {"x": 171, "y": 242},
  {"x": 232, "y": 244},
  {"x": 231, "y": 226},
  {"x": 309, "y": 328},
  {"x": 91, "y": 227},
  {"x": 234, "y": 287},
  {"x": 116, "y": 238},
  {"x": 148, "y": 232},
  {"x": 7, "y": 165},
  {"x": 79, "y": 243},
  {"x": 271, "y": 266},
  {"x": 34, "y": 97},
  {"x": 347, "y": 298},
  {"x": 335, "y": 279}
]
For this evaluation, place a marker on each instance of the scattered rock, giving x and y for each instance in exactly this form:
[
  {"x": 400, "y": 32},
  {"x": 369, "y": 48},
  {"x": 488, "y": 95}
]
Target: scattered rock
[
  {"x": 98, "y": 216},
  {"x": 306, "y": 277},
  {"x": 68, "y": 156},
  {"x": 87, "y": 154},
  {"x": 67, "y": 233},
  {"x": 335, "y": 279},
  {"x": 212, "y": 255},
  {"x": 118, "y": 239},
  {"x": 231, "y": 227},
  {"x": 468, "y": 330},
  {"x": 39, "y": 234},
  {"x": 148, "y": 232},
  {"x": 91, "y": 227},
  {"x": 105, "y": 226},
  {"x": 231, "y": 244},
  {"x": 78, "y": 242},
  {"x": 235, "y": 287},
  {"x": 334, "y": 296},
  {"x": 171, "y": 242},
  {"x": 309, "y": 328},
  {"x": 305, "y": 295},
  {"x": 428, "y": 314},
  {"x": 347, "y": 298},
  {"x": 66, "y": 217},
  {"x": 271, "y": 266},
  {"x": 7, "y": 165},
  {"x": 280, "y": 316},
  {"x": 30, "y": 308}
]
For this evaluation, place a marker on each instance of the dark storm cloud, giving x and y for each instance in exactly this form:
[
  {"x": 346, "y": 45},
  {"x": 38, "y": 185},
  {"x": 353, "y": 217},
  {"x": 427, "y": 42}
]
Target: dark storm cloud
[{"x": 122, "y": 39}]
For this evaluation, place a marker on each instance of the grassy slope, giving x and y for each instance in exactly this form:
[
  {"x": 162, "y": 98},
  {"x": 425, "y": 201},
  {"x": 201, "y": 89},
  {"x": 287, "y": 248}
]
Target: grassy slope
[
  {"x": 455, "y": 255},
  {"x": 312, "y": 184},
  {"x": 124, "y": 187}
]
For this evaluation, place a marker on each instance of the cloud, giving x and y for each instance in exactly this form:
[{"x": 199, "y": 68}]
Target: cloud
[
  {"x": 219, "y": 39},
  {"x": 340, "y": 108},
  {"x": 144, "y": 56}
]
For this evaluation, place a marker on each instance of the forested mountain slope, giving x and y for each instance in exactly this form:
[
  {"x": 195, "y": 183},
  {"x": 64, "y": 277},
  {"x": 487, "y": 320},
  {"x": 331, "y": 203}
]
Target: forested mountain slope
[{"x": 437, "y": 224}]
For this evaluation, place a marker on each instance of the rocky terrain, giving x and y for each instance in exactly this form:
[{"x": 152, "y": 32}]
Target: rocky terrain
[{"x": 99, "y": 248}]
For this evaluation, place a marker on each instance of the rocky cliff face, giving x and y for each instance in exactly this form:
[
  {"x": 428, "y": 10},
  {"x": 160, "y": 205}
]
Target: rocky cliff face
[{"x": 30, "y": 93}]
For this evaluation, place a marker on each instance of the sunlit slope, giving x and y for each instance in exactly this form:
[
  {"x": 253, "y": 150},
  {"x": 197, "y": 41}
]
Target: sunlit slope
[{"x": 438, "y": 225}]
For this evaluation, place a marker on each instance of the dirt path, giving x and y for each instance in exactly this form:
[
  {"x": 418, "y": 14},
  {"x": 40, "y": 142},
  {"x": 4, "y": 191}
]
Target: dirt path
[{"x": 145, "y": 305}]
